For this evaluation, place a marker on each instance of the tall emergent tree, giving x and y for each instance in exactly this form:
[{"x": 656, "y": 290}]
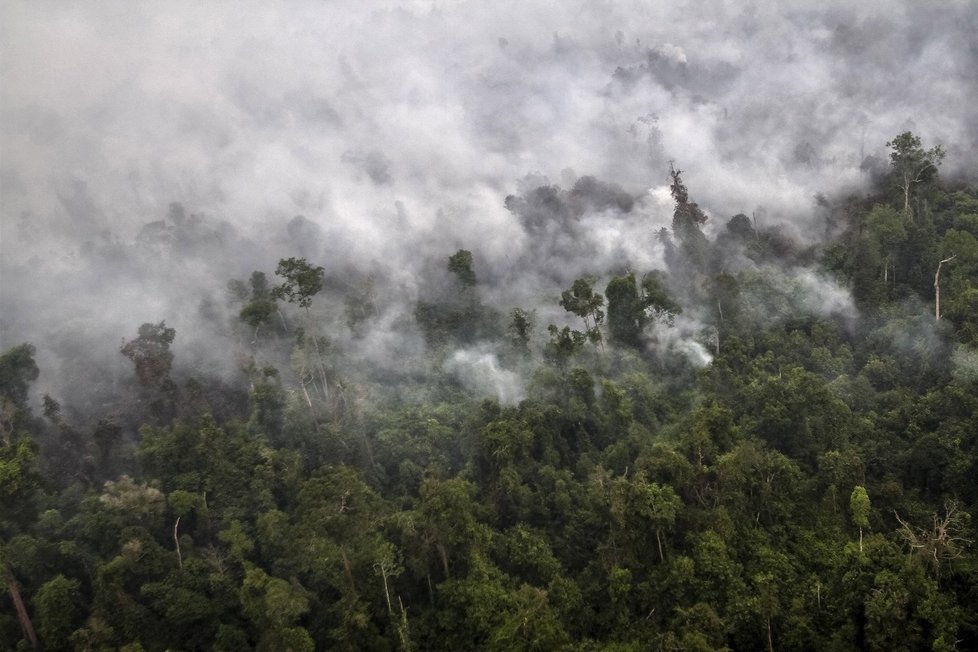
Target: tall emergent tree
[
  {"x": 912, "y": 165},
  {"x": 260, "y": 309},
  {"x": 302, "y": 281},
  {"x": 859, "y": 506},
  {"x": 151, "y": 354},
  {"x": 520, "y": 329},
  {"x": 17, "y": 371},
  {"x": 584, "y": 302},
  {"x": 460, "y": 264},
  {"x": 631, "y": 309},
  {"x": 687, "y": 220},
  {"x": 19, "y": 480},
  {"x": 625, "y": 312},
  {"x": 456, "y": 311}
]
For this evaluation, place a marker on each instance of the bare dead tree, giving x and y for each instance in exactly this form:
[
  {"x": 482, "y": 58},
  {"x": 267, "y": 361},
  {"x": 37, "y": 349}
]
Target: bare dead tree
[
  {"x": 176, "y": 541},
  {"x": 22, "y": 615},
  {"x": 940, "y": 544},
  {"x": 937, "y": 288}
]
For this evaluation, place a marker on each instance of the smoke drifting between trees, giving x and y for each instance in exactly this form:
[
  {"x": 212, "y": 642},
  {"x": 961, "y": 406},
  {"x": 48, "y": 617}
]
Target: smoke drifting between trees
[{"x": 751, "y": 442}]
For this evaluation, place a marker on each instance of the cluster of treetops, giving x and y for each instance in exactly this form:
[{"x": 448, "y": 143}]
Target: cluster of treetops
[{"x": 811, "y": 488}]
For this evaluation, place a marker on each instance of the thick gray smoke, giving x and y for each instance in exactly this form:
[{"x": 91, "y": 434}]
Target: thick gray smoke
[{"x": 397, "y": 130}]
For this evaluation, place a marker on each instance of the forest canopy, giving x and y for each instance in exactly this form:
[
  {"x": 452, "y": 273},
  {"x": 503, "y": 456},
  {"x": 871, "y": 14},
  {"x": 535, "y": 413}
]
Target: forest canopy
[{"x": 762, "y": 443}]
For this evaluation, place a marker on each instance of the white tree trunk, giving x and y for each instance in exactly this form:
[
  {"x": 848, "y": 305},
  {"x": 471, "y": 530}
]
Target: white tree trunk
[{"x": 937, "y": 288}]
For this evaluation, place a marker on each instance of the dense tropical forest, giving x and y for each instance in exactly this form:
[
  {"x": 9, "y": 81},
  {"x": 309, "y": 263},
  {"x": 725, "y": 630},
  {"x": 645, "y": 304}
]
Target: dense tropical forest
[{"x": 767, "y": 443}]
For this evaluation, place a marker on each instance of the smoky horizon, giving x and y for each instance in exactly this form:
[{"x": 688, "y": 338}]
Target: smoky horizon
[{"x": 150, "y": 155}]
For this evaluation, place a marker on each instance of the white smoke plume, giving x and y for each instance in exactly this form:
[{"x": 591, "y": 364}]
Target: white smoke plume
[
  {"x": 397, "y": 130},
  {"x": 479, "y": 370}
]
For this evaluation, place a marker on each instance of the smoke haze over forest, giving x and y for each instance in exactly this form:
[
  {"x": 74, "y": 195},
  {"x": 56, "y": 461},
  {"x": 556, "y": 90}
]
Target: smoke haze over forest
[
  {"x": 443, "y": 324},
  {"x": 398, "y": 130}
]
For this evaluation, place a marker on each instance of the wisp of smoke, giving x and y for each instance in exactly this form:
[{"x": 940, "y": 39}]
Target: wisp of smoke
[{"x": 478, "y": 369}]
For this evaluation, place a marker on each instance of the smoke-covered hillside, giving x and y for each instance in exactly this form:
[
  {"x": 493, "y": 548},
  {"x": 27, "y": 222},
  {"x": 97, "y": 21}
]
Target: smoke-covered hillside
[
  {"x": 455, "y": 325},
  {"x": 397, "y": 132}
]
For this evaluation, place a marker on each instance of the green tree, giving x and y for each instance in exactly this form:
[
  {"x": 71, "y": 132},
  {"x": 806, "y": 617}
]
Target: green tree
[
  {"x": 656, "y": 299},
  {"x": 20, "y": 482},
  {"x": 56, "y": 609},
  {"x": 20, "y": 485},
  {"x": 631, "y": 308},
  {"x": 564, "y": 344},
  {"x": 885, "y": 226},
  {"x": 150, "y": 353},
  {"x": 360, "y": 305},
  {"x": 267, "y": 405},
  {"x": 740, "y": 227},
  {"x": 13, "y": 588},
  {"x": 273, "y": 606},
  {"x": 959, "y": 259},
  {"x": 687, "y": 220},
  {"x": 457, "y": 311},
  {"x": 859, "y": 508},
  {"x": 261, "y": 308},
  {"x": 17, "y": 371},
  {"x": 302, "y": 281},
  {"x": 449, "y": 523},
  {"x": 584, "y": 302},
  {"x": 521, "y": 329},
  {"x": 687, "y": 217},
  {"x": 529, "y": 623},
  {"x": 460, "y": 264},
  {"x": 474, "y": 605},
  {"x": 797, "y": 413},
  {"x": 636, "y": 504},
  {"x": 911, "y": 165},
  {"x": 626, "y": 315}
]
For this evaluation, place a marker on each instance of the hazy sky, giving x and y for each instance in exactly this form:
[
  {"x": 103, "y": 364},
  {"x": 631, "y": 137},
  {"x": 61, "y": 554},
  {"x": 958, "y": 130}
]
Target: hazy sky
[{"x": 398, "y": 128}]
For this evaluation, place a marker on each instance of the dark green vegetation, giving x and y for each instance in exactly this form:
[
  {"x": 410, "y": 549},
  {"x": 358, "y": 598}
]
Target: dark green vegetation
[{"x": 810, "y": 487}]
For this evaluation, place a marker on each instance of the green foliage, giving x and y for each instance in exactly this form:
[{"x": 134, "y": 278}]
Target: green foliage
[
  {"x": 625, "y": 313},
  {"x": 268, "y": 405},
  {"x": 859, "y": 506},
  {"x": 656, "y": 299},
  {"x": 273, "y": 605},
  {"x": 583, "y": 301},
  {"x": 150, "y": 353},
  {"x": 564, "y": 344},
  {"x": 460, "y": 264},
  {"x": 457, "y": 314},
  {"x": 687, "y": 220},
  {"x": 687, "y": 217},
  {"x": 859, "y": 509},
  {"x": 521, "y": 329},
  {"x": 630, "y": 310},
  {"x": 911, "y": 165},
  {"x": 796, "y": 412},
  {"x": 20, "y": 483},
  {"x": 360, "y": 305},
  {"x": 17, "y": 371},
  {"x": 740, "y": 227},
  {"x": 302, "y": 281},
  {"x": 629, "y": 502},
  {"x": 56, "y": 608}
]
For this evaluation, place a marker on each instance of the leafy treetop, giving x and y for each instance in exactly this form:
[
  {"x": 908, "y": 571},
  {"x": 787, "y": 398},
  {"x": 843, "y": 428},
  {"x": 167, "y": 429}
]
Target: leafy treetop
[
  {"x": 460, "y": 264},
  {"x": 302, "y": 281},
  {"x": 150, "y": 352},
  {"x": 912, "y": 165}
]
